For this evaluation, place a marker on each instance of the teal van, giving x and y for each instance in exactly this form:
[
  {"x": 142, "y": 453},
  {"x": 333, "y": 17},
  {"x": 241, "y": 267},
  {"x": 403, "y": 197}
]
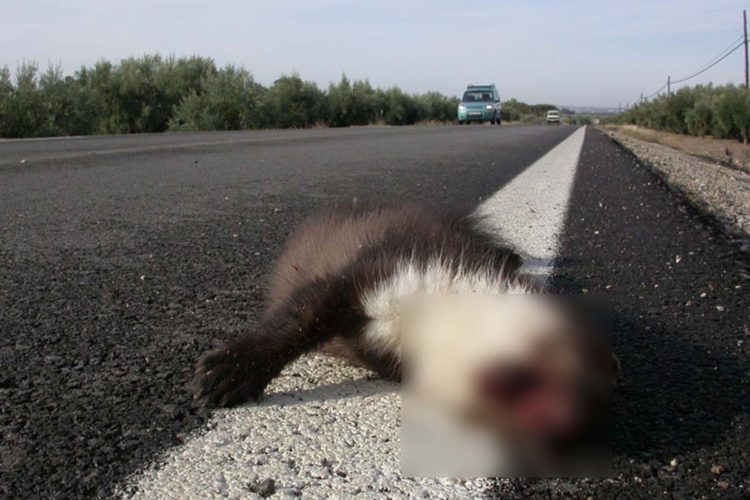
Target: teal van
[{"x": 480, "y": 103}]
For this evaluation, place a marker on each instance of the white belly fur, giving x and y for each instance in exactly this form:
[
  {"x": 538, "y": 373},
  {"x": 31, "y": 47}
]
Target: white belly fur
[{"x": 383, "y": 304}]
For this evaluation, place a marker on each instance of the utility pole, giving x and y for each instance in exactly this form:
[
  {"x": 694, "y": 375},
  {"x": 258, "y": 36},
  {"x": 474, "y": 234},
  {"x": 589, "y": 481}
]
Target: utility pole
[
  {"x": 669, "y": 87},
  {"x": 641, "y": 101},
  {"x": 744, "y": 30}
]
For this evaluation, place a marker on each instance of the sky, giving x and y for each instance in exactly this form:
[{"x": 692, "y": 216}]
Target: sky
[{"x": 564, "y": 52}]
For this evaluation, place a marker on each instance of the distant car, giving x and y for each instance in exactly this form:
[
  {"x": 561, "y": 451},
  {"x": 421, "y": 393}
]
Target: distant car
[
  {"x": 480, "y": 103},
  {"x": 553, "y": 116}
]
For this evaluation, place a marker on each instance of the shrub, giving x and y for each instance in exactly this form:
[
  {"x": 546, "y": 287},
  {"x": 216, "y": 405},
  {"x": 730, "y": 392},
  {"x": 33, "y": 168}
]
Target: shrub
[
  {"x": 152, "y": 93},
  {"x": 23, "y": 111},
  {"x": 228, "y": 100},
  {"x": 722, "y": 111},
  {"x": 291, "y": 102}
]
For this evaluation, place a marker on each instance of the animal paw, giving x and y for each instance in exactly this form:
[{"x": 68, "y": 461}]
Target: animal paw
[{"x": 227, "y": 377}]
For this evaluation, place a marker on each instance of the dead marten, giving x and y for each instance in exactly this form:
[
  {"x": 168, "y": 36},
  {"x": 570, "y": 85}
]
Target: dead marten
[{"x": 341, "y": 286}]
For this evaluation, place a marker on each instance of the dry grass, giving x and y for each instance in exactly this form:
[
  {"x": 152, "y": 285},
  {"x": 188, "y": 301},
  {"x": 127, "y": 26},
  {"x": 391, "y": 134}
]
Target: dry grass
[{"x": 725, "y": 151}]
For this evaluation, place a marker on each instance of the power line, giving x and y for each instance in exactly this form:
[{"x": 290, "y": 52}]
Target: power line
[
  {"x": 723, "y": 53},
  {"x": 652, "y": 95},
  {"x": 717, "y": 61},
  {"x": 739, "y": 42}
]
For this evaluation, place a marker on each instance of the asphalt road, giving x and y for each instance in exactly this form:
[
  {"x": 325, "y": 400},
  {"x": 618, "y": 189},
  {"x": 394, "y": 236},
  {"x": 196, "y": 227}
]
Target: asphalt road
[
  {"x": 326, "y": 431},
  {"x": 124, "y": 258}
]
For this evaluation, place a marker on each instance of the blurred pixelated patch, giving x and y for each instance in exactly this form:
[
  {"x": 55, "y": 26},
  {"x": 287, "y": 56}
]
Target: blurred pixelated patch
[{"x": 506, "y": 386}]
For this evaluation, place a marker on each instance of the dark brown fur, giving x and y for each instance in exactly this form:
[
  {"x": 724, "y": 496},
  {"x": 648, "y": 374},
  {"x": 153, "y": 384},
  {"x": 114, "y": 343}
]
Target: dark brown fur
[{"x": 316, "y": 290}]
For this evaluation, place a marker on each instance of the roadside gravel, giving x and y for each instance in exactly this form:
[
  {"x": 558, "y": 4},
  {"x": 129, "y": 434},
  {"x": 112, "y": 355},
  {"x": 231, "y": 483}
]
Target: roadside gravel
[{"x": 716, "y": 190}]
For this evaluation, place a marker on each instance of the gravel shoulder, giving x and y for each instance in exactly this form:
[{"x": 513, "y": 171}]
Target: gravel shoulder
[{"x": 707, "y": 173}]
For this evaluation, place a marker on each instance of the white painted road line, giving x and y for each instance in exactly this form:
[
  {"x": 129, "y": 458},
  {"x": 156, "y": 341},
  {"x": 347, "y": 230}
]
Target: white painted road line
[
  {"x": 529, "y": 212},
  {"x": 327, "y": 430}
]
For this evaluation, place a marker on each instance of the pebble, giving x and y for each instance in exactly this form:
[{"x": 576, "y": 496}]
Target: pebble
[
  {"x": 264, "y": 488},
  {"x": 319, "y": 472}
]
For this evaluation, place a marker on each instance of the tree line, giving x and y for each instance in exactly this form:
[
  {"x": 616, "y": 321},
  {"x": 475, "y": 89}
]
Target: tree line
[
  {"x": 719, "y": 111},
  {"x": 155, "y": 94},
  {"x": 517, "y": 111}
]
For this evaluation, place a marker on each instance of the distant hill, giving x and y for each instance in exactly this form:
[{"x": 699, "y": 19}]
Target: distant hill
[{"x": 591, "y": 110}]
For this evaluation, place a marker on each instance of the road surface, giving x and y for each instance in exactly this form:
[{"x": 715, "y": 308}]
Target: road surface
[{"x": 124, "y": 258}]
